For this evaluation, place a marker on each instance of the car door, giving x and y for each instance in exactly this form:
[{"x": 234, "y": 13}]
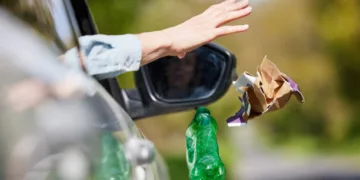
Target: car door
[{"x": 56, "y": 118}]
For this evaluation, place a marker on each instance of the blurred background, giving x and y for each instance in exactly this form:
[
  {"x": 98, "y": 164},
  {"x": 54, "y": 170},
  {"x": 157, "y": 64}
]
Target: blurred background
[{"x": 316, "y": 43}]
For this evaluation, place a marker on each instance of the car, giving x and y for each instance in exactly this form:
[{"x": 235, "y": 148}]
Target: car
[
  {"x": 56, "y": 123},
  {"x": 59, "y": 123}
]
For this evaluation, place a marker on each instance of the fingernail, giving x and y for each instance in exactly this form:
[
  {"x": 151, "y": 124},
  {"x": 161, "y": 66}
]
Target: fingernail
[
  {"x": 249, "y": 8},
  {"x": 246, "y": 26}
]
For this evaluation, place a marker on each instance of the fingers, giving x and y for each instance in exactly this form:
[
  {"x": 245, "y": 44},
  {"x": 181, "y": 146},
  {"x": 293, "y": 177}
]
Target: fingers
[
  {"x": 226, "y": 30},
  {"x": 230, "y": 16},
  {"x": 226, "y": 6},
  {"x": 238, "y": 5},
  {"x": 227, "y": 2},
  {"x": 232, "y": 5},
  {"x": 227, "y": 11}
]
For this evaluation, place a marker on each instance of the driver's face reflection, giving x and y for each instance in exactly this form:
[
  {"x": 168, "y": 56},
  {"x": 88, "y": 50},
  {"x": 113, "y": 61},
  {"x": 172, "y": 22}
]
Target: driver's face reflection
[{"x": 180, "y": 72}]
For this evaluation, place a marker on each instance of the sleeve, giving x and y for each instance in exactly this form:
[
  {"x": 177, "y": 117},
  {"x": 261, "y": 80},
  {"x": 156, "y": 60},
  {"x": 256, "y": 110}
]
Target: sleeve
[{"x": 107, "y": 56}]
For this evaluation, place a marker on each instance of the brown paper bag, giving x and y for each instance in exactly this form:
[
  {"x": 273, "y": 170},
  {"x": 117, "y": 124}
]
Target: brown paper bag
[{"x": 269, "y": 91}]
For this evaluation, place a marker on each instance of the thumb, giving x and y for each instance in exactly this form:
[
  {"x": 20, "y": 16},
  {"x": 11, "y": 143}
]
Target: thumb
[{"x": 181, "y": 55}]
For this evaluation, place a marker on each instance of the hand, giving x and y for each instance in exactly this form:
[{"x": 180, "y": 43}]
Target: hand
[
  {"x": 207, "y": 26},
  {"x": 195, "y": 32}
]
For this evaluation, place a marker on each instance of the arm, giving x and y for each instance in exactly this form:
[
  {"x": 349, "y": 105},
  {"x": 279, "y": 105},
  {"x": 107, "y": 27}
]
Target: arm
[
  {"x": 195, "y": 32},
  {"x": 106, "y": 56},
  {"x": 109, "y": 56}
]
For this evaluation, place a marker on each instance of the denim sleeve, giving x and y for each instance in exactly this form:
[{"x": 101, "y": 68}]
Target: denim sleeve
[{"x": 107, "y": 56}]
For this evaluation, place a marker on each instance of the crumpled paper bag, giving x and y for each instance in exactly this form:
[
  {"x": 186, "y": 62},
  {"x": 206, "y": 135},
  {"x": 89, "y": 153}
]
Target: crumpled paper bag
[{"x": 269, "y": 91}]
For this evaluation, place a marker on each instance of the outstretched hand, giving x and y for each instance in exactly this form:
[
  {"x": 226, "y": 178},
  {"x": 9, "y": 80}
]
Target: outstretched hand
[
  {"x": 195, "y": 32},
  {"x": 207, "y": 26}
]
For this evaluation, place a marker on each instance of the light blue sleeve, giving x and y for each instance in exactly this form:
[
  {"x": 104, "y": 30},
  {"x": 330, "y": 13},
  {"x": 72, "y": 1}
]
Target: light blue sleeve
[{"x": 107, "y": 56}]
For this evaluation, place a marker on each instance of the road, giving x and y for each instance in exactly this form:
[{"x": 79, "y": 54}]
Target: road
[{"x": 256, "y": 162}]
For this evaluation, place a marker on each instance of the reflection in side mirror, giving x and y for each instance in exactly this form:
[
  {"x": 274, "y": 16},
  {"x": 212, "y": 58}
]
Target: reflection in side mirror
[
  {"x": 172, "y": 85},
  {"x": 194, "y": 77}
]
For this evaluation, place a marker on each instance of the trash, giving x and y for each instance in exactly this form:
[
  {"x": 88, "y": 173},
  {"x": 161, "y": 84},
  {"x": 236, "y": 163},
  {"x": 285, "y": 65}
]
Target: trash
[
  {"x": 269, "y": 91},
  {"x": 202, "y": 151}
]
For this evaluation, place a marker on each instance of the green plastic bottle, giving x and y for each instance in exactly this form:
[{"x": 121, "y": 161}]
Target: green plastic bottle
[
  {"x": 202, "y": 152},
  {"x": 113, "y": 165}
]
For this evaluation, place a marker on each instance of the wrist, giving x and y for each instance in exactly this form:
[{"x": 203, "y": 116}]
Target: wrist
[
  {"x": 174, "y": 42},
  {"x": 167, "y": 37},
  {"x": 155, "y": 45}
]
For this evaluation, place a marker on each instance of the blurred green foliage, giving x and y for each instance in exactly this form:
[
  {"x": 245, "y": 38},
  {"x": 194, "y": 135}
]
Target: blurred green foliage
[
  {"x": 332, "y": 121},
  {"x": 339, "y": 29},
  {"x": 115, "y": 16},
  {"x": 316, "y": 43}
]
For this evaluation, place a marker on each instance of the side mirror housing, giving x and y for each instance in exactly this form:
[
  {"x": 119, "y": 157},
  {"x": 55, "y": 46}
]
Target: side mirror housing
[{"x": 171, "y": 85}]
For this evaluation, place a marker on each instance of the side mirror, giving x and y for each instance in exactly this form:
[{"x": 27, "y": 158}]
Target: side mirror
[{"x": 172, "y": 85}]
